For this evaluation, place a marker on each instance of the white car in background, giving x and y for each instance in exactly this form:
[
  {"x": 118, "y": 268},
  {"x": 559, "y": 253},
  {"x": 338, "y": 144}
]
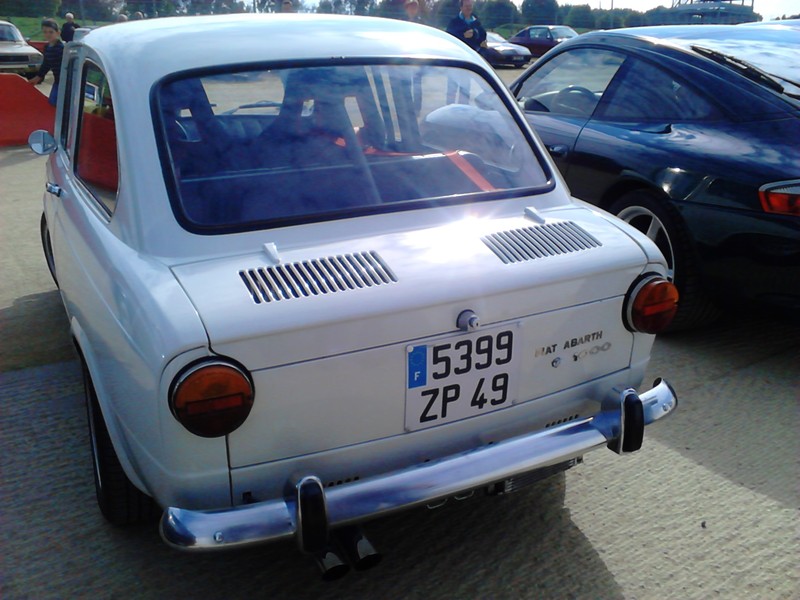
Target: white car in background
[
  {"x": 16, "y": 55},
  {"x": 313, "y": 283}
]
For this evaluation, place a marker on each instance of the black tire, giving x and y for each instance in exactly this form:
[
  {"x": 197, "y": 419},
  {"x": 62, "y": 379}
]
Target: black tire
[
  {"x": 47, "y": 246},
  {"x": 120, "y": 502},
  {"x": 660, "y": 222}
]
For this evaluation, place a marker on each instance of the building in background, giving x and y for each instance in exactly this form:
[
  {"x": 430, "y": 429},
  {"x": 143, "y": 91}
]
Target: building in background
[{"x": 709, "y": 12}]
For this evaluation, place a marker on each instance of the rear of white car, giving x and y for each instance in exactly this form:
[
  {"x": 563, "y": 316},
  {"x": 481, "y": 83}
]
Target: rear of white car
[
  {"x": 332, "y": 286},
  {"x": 412, "y": 307}
]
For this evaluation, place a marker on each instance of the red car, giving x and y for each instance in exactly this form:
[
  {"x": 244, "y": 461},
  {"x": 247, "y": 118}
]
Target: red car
[{"x": 540, "y": 38}]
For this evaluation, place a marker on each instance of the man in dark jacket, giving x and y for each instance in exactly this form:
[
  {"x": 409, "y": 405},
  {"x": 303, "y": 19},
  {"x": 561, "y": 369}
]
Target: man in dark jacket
[
  {"x": 469, "y": 30},
  {"x": 467, "y": 27},
  {"x": 53, "y": 53},
  {"x": 68, "y": 28}
]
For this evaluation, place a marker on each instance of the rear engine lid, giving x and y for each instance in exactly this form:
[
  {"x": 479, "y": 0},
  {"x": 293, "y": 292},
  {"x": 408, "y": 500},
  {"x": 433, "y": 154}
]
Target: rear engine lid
[{"x": 365, "y": 292}]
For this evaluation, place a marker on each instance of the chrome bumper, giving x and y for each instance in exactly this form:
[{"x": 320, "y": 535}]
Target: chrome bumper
[{"x": 619, "y": 425}]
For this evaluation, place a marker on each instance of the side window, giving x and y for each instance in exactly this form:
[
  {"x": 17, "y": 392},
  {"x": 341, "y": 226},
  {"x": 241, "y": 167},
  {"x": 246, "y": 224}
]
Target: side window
[
  {"x": 96, "y": 149},
  {"x": 647, "y": 93},
  {"x": 66, "y": 108},
  {"x": 572, "y": 83}
]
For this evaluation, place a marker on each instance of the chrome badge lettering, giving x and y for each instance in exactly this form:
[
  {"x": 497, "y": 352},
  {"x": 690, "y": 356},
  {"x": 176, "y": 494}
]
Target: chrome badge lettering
[
  {"x": 589, "y": 351},
  {"x": 584, "y": 339}
]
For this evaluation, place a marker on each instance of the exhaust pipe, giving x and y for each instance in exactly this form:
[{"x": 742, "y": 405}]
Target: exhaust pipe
[
  {"x": 330, "y": 563},
  {"x": 356, "y": 547}
]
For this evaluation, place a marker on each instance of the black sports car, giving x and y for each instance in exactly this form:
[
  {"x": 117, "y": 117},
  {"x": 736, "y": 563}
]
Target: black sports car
[{"x": 691, "y": 134}]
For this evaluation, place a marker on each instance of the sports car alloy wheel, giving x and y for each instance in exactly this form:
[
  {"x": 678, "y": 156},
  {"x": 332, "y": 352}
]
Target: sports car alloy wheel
[{"x": 647, "y": 213}]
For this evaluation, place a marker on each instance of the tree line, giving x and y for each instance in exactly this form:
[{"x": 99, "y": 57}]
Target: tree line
[{"x": 493, "y": 13}]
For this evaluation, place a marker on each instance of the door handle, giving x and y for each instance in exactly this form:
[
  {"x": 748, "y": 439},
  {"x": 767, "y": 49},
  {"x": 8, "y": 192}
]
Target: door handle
[
  {"x": 558, "y": 150},
  {"x": 54, "y": 189}
]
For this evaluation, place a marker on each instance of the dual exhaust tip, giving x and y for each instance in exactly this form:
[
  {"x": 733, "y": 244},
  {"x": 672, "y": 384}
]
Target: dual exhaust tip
[
  {"x": 334, "y": 551},
  {"x": 348, "y": 547}
]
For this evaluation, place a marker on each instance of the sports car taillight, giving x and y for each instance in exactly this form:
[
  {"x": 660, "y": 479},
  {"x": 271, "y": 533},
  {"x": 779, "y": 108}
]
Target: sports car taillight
[
  {"x": 650, "y": 305},
  {"x": 781, "y": 198},
  {"x": 211, "y": 398}
]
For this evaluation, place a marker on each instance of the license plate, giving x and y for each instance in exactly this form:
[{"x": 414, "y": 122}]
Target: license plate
[{"x": 461, "y": 376}]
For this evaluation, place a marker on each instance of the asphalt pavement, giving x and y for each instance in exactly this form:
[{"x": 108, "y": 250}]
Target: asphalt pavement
[{"x": 708, "y": 509}]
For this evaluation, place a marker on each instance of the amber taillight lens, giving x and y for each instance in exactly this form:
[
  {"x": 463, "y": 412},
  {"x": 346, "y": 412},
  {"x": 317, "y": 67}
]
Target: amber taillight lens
[
  {"x": 781, "y": 198},
  {"x": 212, "y": 399},
  {"x": 651, "y": 304}
]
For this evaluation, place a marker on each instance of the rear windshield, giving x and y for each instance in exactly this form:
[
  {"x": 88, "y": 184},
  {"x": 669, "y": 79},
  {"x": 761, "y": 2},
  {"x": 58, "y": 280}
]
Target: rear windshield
[
  {"x": 269, "y": 147},
  {"x": 563, "y": 32}
]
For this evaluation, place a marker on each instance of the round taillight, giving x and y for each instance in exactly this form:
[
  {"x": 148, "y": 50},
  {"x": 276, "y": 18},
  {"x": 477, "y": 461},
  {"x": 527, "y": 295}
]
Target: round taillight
[
  {"x": 212, "y": 399},
  {"x": 651, "y": 304}
]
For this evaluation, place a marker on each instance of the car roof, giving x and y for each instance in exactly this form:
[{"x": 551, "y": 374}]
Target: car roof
[
  {"x": 772, "y": 49},
  {"x": 153, "y": 48}
]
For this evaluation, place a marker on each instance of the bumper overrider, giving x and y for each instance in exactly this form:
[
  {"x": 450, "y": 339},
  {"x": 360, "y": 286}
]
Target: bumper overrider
[{"x": 311, "y": 511}]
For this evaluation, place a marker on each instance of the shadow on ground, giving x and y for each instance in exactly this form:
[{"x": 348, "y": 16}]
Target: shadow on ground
[
  {"x": 524, "y": 545},
  {"x": 35, "y": 332},
  {"x": 739, "y": 382}
]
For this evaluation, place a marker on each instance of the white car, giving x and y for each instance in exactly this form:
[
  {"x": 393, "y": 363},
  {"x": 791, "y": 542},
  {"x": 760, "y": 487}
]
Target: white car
[
  {"x": 316, "y": 283},
  {"x": 16, "y": 55}
]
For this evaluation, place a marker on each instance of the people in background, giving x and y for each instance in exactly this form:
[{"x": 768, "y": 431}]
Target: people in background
[
  {"x": 53, "y": 53},
  {"x": 412, "y": 11},
  {"x": 69, "y": 27},
  {"x": 122, "y": 17},
  {"x": 413, "y": 16},
  {"x": 138, "y": 15},
  {"x": 466, "y": 26},
  {"x": 287, "y": 6}
]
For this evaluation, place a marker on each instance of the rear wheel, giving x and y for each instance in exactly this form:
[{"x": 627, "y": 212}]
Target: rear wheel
[
  {"x": 121, "y": 503},
  {"x": 659, "y": 222}
]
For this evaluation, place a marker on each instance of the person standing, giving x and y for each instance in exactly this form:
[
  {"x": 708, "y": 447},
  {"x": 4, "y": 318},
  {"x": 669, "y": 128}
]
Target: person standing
[
  {"x": 287, "y": 6},
  {"x": 469, "y": 30},
  {"x": 412, "y": 11},
  {"x": 53, "y": 53},
  {"x": 467, "y": 27},
  {"x": 68, "y": 28},
  {"x": 413, "y": 16}
]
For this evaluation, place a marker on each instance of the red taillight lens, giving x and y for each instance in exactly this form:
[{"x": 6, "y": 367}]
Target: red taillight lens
[
  {"x": 212, "y": 399},
  {"x": 651, "y": 304},
  {"x": 781, "y": 198}
]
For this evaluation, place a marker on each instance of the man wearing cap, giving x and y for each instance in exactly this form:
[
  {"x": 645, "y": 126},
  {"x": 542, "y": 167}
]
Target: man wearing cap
[
  {"x": 412, "y": 11},
  {"x": 68, "y": 28},
  {"x": 413, "y": 16}
]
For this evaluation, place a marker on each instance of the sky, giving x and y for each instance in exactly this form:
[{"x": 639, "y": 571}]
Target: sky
[{"x": 769, "y": 9}]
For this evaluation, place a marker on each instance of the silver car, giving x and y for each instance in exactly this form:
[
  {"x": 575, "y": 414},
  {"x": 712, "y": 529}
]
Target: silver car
[
  {"x": 313, "y": 283},
  {"x": 16, "y": 55}
]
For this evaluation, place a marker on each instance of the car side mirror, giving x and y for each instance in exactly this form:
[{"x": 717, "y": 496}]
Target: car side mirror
[{"x": 41, "y": 142}]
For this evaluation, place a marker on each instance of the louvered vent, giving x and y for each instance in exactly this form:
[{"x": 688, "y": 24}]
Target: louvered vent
[
  {"x": 541, "y": 241},
  {"x": 316, "y": 277}
]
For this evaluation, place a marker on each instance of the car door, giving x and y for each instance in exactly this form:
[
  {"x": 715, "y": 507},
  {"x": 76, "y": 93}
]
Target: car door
[
  {"x": 647, "y": 115},
  {"x": 560, "y": 96},
  {"x": 532, "y": 38}
]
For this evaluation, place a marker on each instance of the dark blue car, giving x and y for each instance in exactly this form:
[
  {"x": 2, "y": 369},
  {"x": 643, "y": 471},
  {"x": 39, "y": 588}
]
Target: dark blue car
[{"x": 691, "y": 134}]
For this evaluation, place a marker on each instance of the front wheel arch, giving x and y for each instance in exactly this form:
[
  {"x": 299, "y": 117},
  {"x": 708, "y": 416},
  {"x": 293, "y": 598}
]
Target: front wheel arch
[{"x": 47, "y": 247}]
